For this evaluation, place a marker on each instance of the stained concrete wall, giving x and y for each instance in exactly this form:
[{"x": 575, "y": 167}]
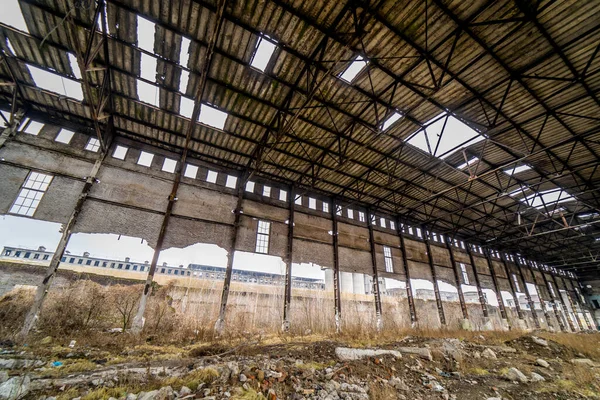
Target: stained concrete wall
[{"x": 131, "y": 200}]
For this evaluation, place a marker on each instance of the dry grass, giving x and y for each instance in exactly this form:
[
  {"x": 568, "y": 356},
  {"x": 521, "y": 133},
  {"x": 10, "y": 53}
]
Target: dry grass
[
  {"x": 70, "y": 367},
  {"x": 193, "y": 379},
  {"x": 377, "y": 391},
  {"x": 587, "y": 344},
  {"x": 250, "y": 394}
]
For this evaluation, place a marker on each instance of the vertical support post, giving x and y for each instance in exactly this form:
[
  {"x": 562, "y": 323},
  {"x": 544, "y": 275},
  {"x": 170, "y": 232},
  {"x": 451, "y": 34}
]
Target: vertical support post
[
  {"x": 336, "y": 269},
  {"x": 564, "y": 305},
  {"x": 578, "y": 302},
  {"x": 537, "y": 287},
  {"x": 576, "y": 316},
  {"x": 44, "y": 286},
  {"x": 476, "y": 274},
  {"x": 512, "y": 288},
  {"x": 436, "y": 288},
  {"x": 495, "y": 282},
  {"x": 376, "y": 293},
  {"x": 529, "y": 299},
  {"x": 220, "y": 323},
  {"x": 583, "y": 308},
  {"x": 554, "y": 305},
  {"x": 288, "y": 264},
  {"x": 409, "y": 294},
  {"x": 461, "y": 295}
]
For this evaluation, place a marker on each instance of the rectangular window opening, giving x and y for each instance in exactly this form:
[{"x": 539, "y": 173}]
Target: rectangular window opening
[
  {"x": 191, "y": 171},
  {"x": 391, "y": 120},
  {"x": 33, "y": 127},
  {"x": 312, "y": 203},
  {"x": 250, "y": 186},
  {"x": 382, "y": 222},
  {"x": 11, "y": 15},
  {"x": 350, "y": 213},
  {"x": 55, "y": 83},
  {"x": 282, "y": 195},
  {"x": 325, "y": 207},
  {"x": 93, "y": 145},
  {"x": 145, "y": 34},
  {"x": 298, "y": 200},
  {"x": 147, "y": 93},
  {"x": 169, "y": 165},
  {"x": 463, "y": 269},
  {"x": 64, "y": 136},
  {"x": 231, "y": 181},
  {"x": 262, "y": 237},
  {"x": 145, "y": 159},
  {"x": 361, "y": 216},
  {"x": 265, "y": 47},
  {"x": 355, "y": 67},
  {"x": 389, "y": 264},
  {"x": 266, "y": 191},
  {"x": 517, "y": 169},
  {"x": 186, "y": 106},
  {"x": 516, "y": 281},
  {"x": 211, "y": 176},
  {"x": 74, "y": 65},
  {"x": 392, "y": 225},
  {"x": 120, "y": 152},
  {"x": 31, "y": 194}
]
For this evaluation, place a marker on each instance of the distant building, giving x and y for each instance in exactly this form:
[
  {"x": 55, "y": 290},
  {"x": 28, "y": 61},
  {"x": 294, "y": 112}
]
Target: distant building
[{"x": 192, "y": 270}]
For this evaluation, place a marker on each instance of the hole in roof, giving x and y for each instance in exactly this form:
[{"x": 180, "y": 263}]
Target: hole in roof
[
  {"x": 145, "y": 159},
  {"x": 517, "y": 169},
  {"x": 147, "y": 93},
  {"x": 55, "y": 83},
  {"x": 212, "y": 117},
  {"x": 33, "y": 127},
  {"x": 10, "y": 47},
  {"x": 471, "y": 162},
  {"x": 390, "y": 121},
  {"x": 148, "y": 67},
  {"x": 519, "y": 191},
  {"x": 11, "y": 15},
  {"x": 191, "y": 171},
  {"x": 357, "y": 65},
  {"x": 5, "y": 116},
  {"x": 74, "y": 65},
  {"x": 547, "y": 198},
  {"x": 64, "y": 136},
  {"x": 265, "y": 47},
  {"x": 456, "y": 135},
  {"x": 120, "y": 152},
  {"x": 169, "y": 165},
  {"x": 186, "y": 107},
  {"x": 145, "y": 34},
  {"x": 184, "y": 57}
]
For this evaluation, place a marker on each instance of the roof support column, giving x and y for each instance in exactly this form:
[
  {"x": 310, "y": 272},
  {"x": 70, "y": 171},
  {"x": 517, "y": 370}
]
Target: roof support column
[
  {"x": 573, "y": 309},
  {"x": 537, "y": 287},
  {"x": 526, "y": 289},
  {"x": 512, "y": 288},
  {"x": 44, "y": 286},
  {"x": 496, "y": 286},
  {"x": 476, "y": 274},
  {"x": 376, "y": 293},
  {"x": 287, "y": 299},
  {"x": 565, "y": 312},
  {"x": 436, "y": 288},
  {"x": 461, "y": 295},
  {"x": 336, "y": 268},
  {"x": 409, "y": 294},
  {"x": 554, "y": 306}
]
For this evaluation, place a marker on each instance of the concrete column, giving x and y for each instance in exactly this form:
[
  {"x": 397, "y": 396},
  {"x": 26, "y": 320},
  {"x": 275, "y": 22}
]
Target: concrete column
[
  {"x": 44, "y": 286},
  {"x": 336, "y": 268},
  {"x": 436, "y": 288},
  {"x": 562, "y": 301},
  {"x": 554, "y": 306},
  {"x": 512, "y": 289},
  {"x": 579, "y": 305},
  {"x": 288, "y": 264},
  {"x": 461, "y": 296},
  {"x": 537, "y": 287},
  {"x": 409, "y": 294},
  {"x": 573, "y": 309},
  {"x": 589, "y": 323},
  {"x": 496, "y": 286},
  {"x": 220, "y": 323},
  {"x": 376, "y": 293},
  {"x": 479, "y": 290},
  {"x": 527, "y": 294}
]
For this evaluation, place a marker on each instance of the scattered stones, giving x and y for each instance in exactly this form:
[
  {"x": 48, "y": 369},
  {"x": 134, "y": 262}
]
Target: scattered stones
[
  {"x": 583, "y": 361},
  {"x": 15, "y": 388},
  {"x": 535, "y": 377},
  {"x": 398, "y": 384},
  {"x": 539, "y": 341},
  {"x": 243, "y": 378},
  {"x": 489, "y": 354},
  {"x": 542, "y": 363},
  {"x": 3, "y": 376},
  {"x": 348, "y": 354},
  {"x": 418, "y": 351},
  {"x": 513, "y": 374}
]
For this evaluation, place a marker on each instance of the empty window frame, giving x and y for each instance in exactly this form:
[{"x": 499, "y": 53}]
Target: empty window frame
[
  {"x": 120, "y": 152},
  {"x": 64, "y": 136},
  {"x": 325, "y": 207},
  {"x": 93, "y": 145},
  {"x": 250, "y": 186},
  {"x": 392, "y": 225},
  {"x": 145, "y": 159},
  {"x": 517, "y": 169},
  {"x": 391, "y": 120},
  {"x": 312, "y": 203},
  {"x": 262, "y": 237},
  {"x": 463, "y": 270},
  {"x": 169, "y": 165},
  {"x": 387, "y": 255},
  {"x": 551, "y": 290},
  {"x": 361, "y": 216},
  {"x": 265, "y": 47},
  {"x": 516, "y": 281},
  {"x": 382, "y": 222},
  {"x": 191, "y": 171},
  {"x": 32, "y": 127},
  {"x": 266, "y": 191},
  {"x": 338, "y": 210},
  {"x": 55, "y": 83},
  {"x": 31, "y": 194},
  {"x": 282, "y": 195},
  {"x": 231, "y": 181},
  {"x": 350, "y": 213},
  {"x": 211, "y": 176},
  {"x": 298, "y": 200}
]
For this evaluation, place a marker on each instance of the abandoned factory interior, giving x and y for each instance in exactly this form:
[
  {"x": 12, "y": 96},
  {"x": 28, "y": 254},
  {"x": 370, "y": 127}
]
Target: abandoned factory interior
[{"x": 243, "y": 173}]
